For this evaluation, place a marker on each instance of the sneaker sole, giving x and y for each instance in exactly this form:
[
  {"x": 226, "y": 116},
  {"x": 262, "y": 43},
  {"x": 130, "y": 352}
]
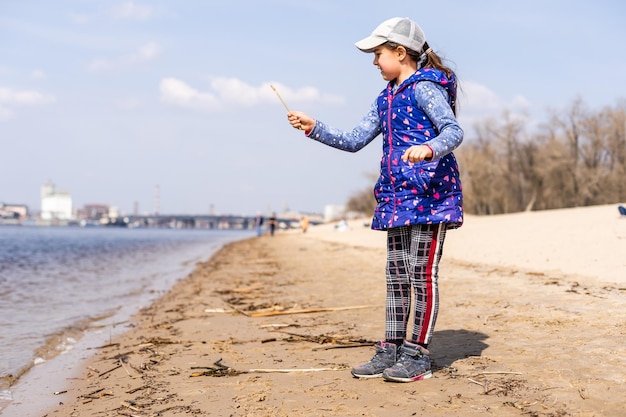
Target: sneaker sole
[
  {"x": 420, "y": 377},
  {"x": 366, "y": 375}
]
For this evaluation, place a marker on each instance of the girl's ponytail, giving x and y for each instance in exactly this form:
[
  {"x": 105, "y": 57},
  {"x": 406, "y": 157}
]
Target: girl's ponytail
[
  {"x": 432, "y": 60},
  {"x": 429, "y": 59}
]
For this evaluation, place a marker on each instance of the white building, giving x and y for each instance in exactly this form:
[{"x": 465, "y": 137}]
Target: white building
[
  {"x": 55, "y": 205},
  {"x": 333, "y": 212}
]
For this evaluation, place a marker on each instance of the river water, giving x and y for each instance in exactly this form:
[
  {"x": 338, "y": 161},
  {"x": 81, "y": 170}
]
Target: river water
[{"x": 59, "y": 283}]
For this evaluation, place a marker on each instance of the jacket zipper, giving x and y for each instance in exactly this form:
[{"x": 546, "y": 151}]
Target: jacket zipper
[{"x": 390, "y": 141}]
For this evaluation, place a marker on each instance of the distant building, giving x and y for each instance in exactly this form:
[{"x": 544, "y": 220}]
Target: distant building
[
  {"x": 94, "y": 212},
  {"x": 334, "y": 212},
  {"x": 55, "y": 205},
  {"x": 13, "y": 211}
]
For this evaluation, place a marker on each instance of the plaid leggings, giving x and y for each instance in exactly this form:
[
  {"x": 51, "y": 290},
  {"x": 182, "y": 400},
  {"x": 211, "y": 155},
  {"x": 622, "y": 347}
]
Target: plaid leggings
[{"x": 413, "y": 254}]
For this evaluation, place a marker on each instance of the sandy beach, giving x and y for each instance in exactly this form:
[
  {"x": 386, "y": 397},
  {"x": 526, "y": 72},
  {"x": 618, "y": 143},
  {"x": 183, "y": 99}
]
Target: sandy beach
[{"x": 532, "y": 323}]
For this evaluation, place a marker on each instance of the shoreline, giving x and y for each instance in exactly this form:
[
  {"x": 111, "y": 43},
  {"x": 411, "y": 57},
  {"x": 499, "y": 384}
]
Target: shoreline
[
  {"x": 516, "y": 331},
  {"x": 58, "y": 358}
]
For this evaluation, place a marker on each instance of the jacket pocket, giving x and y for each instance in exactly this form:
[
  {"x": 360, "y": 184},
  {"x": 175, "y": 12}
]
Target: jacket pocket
[{"x": 413, "y": 178}]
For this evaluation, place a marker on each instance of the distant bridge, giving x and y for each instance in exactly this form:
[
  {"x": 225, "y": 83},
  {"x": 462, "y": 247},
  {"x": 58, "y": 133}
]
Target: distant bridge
[{"x": 202, "y": 221}]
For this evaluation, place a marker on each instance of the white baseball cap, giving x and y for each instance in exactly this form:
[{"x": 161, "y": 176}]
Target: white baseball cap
[{"x": 400, "y": 30}]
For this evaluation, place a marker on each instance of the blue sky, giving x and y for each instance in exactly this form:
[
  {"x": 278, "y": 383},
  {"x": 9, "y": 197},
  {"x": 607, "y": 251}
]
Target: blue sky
[{"x": 109, "y": 99}]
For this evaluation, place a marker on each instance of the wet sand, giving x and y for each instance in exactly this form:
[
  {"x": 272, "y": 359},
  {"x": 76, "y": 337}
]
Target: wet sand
[{"x": 532, "y": 322}]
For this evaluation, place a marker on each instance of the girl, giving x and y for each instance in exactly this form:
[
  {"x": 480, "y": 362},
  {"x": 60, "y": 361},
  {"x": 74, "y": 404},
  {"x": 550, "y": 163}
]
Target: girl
[{"x": 418, "y": 192}]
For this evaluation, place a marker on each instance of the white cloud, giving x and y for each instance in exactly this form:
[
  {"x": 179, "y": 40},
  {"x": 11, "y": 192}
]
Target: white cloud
[
  {"x": 147, "y": 52},
  {"x": 232, "y": 92},
  {"x": 144, "y": 53},
  {"x": 132, "y": 11},
  {"x": 100, "y": 65},
  {"x": 477, "y": 102},
  {"x": 25, "y": 97},
  {"x": 478, "y": 98},
  {"x": 176, "y": 92},
  {"x": 128, "y": 10},
  {"x": 10, "y": 98}
]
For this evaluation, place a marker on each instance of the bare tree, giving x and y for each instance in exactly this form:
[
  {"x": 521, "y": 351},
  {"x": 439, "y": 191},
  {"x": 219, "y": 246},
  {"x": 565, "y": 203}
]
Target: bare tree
[{"x": 363, "y": 201}]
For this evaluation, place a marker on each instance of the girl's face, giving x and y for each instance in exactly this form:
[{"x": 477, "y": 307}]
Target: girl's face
[{"x": 388, "y": 62}]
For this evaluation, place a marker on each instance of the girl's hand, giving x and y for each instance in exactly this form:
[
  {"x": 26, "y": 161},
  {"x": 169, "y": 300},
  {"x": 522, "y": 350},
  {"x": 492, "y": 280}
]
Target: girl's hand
[
  {"x": 417, "y": 153},
  {"x": 301, "y": 121}
]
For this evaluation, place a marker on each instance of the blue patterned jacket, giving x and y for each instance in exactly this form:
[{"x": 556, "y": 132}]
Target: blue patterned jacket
[{"x": 416, "y": 112}]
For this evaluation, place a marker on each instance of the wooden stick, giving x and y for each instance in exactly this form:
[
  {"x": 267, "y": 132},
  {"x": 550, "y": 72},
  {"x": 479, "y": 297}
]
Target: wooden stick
[
  {"x": 280, "y": 98},
  {"x": 475, "y": 382},
  {"x": 110, "y": 370},
  {"x": 276, "y": 325},
  {"x": 304, "y": 311},
  {"x": 134, "y": 390},
  {"x": 353, "y": 345},
  {"x": 217, "y": 310},
  {"x": 126, "y": 369},
  {"x": 131, "y": 405},
  {"x": 107, "y": 346},
  {"x": 240, "y": 311}
]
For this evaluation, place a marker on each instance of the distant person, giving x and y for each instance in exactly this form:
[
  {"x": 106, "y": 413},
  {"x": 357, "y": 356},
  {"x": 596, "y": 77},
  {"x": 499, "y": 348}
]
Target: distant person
[
  {"x": 258, "y": 222},
  {"x": 342, "y": 226},
  {"x": 304, "y": 224},
  {"x": 418, "y": 192},
  {"x": 273, "y": 223}
]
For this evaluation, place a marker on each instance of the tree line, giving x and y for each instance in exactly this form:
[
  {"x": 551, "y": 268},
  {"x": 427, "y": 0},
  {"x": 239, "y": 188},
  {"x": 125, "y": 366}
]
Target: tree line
[{"x": 577, "y": 158}]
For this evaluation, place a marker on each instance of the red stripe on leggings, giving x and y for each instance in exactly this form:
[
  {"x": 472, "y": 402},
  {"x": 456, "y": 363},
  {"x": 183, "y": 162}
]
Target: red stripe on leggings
[{"x": 430, "y": 302}]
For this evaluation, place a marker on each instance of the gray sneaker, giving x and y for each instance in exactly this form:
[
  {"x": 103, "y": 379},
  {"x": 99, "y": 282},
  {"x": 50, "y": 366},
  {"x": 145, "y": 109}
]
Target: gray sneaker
[
  {"x": 385, "y": 356},
  {"x": 412, "y": 365}
]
